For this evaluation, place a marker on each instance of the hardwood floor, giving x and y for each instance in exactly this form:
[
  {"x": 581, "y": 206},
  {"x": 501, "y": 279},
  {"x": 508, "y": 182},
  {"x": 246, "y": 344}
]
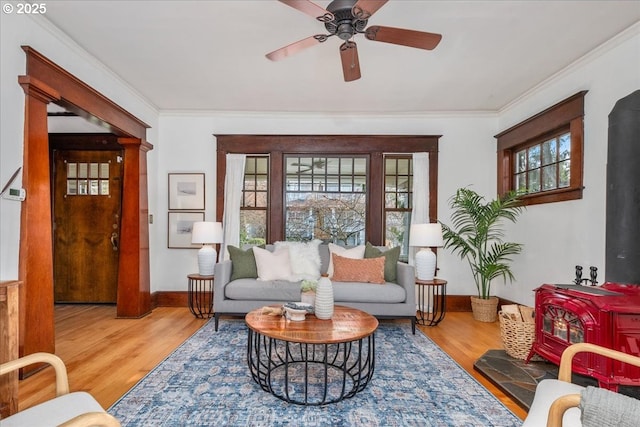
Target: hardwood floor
[{"x": 106, "y": 356}]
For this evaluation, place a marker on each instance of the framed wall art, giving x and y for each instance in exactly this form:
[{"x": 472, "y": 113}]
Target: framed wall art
[
  {"x": 180, "y": 228},
  {"x": 186, "y": 191}
]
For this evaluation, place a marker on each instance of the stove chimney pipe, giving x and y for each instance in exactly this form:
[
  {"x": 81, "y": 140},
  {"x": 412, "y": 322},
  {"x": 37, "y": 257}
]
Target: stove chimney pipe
[{"x": 622, "y": 256}]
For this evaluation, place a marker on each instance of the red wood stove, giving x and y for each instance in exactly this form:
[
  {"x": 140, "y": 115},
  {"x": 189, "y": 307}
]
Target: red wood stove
[{"x": 607, "y": 315}]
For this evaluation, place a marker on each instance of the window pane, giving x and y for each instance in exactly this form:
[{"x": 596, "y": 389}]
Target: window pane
[
  {"x": 72, "y": 187},
  {"x": 534, "y": 181},
  {"x": 521, "y": 182},
  {"x": 564, "y": 146},
  {"x": 82, "y": 171},
  {"x": 72, "y": 170},
  {"x": 94, "y": 186},
  {"x": 104, "y": 170},
  {"x": 521, "y": 161},
  {"x": 93, "y": 170},
  {"x": 262, "y": 165},
  {"x": 104, "y": 187},
  {"x": 390, "y": 200},
  {"x": 549, "y": 177},
  {"x": 396, "y": 232},
  {"x": 403, "y": 166},
  {"x": 534, "y": 157},
  {"x": 564, "y": 169},
  {"x": 253, "y": 227},
  {"x": 549, "y": 152}
]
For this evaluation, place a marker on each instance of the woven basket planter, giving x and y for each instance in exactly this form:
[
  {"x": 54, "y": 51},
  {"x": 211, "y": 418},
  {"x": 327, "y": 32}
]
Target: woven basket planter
[
  {"x": 485, "y": 310},
  {"x": 517, "y": 336}
]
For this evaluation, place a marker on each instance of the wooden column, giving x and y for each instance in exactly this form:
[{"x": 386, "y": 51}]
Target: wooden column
[
  {"x": 134, "y": 287},
  {"x": 36, "y": 242},
  {"x": 9, "y": 330}
]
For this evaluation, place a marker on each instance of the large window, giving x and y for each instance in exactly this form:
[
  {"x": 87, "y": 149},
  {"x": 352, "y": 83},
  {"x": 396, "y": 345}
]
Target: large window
[
  {"x": 542, "y": 157},
  {"x": 326, "y": 199},
  {"x": 347, "y": 189}
]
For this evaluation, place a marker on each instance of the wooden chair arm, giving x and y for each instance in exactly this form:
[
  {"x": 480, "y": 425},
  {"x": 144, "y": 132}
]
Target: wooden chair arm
[
  {"x": 564, "y": 372},
  {"x": 558, "y": 408},
  {"x": 92, "y": 419},
  {"x": 62, "y": 380}
]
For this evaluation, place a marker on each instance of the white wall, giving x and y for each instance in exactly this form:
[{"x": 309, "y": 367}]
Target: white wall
[
  {"x": 17, "y": 30},
  {"x": 559, "y": 236}
]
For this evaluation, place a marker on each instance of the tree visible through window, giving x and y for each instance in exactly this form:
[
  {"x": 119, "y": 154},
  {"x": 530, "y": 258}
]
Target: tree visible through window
[{"x": 326, "y": 198}]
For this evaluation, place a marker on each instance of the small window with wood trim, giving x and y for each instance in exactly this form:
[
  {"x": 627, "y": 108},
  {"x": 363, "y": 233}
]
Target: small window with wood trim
[{"x": 541, "y": 158}]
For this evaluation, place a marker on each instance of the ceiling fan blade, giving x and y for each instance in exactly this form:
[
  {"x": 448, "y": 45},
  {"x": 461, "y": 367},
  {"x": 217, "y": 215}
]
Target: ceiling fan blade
[
  {"x": 350, "y": 62},
  {"x": 311, "y": 9},
  {"x": 363, "y": 9},
  {"x": 293, "y": 48},
  {"x": 401, "y": 36}
]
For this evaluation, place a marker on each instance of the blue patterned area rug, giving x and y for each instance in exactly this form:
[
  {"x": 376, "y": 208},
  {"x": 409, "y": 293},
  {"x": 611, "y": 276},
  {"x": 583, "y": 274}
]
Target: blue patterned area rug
[{"x": 206, "y": 382}]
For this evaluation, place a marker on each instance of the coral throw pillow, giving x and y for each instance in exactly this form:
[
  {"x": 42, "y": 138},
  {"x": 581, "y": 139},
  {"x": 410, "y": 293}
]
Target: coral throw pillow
[
  {"x": 368, "y": 270},
  {"x": 273, "y": 265},
  {"x": 355, "y": 253}
]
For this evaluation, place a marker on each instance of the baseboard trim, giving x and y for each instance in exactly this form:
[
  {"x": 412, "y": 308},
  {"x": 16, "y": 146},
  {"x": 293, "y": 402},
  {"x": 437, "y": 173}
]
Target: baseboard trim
[
  {"x": 169, "y": 299},
  {"x": 180, "y": 299}
]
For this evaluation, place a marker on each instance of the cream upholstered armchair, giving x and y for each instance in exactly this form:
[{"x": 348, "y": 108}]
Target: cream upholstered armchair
[
  {"x": 77, "y": 409},
  {"x": 562, "y": 403}
]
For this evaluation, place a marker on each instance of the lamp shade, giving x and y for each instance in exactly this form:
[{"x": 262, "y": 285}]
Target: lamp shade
[
  {"x": 426, "y": 235},
  {"x": 206, "y": 232}
]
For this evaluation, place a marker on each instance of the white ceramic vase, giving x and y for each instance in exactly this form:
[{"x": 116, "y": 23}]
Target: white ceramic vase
[{"x": 324, "y": 299}]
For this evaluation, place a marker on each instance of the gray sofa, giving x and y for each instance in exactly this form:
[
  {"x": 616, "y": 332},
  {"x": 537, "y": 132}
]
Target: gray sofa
[{"x": 240, "y": 296}]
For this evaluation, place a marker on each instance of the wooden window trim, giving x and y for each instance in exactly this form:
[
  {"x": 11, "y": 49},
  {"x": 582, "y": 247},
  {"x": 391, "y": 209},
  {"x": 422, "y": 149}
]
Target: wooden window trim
[
  {"x": 373, "y": 145},
  {"x": 568, "y": 113}
]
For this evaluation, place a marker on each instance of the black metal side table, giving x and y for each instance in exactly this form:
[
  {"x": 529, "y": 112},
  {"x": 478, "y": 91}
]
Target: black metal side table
[
  {"x": 200, "y": 294},
  {"x": 432, "y": 301}
]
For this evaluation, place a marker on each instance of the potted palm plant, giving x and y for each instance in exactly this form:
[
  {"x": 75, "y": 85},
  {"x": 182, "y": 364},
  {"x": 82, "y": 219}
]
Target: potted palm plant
[{"x": 476, "y": 234}]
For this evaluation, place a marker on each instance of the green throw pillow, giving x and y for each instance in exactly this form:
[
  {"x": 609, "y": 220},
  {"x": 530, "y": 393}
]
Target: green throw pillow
[
  {"x": 243, "y": 263},
  {"x": 391, "y": 257}
]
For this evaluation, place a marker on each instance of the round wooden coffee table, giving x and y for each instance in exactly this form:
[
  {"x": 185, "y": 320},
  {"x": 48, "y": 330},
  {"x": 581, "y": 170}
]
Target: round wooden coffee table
[{"x": 312, "y": 362}]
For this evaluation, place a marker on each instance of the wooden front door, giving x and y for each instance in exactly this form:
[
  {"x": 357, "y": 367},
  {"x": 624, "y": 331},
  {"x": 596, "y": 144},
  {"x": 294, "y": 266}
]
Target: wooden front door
[{"x": 86, "y": 225}]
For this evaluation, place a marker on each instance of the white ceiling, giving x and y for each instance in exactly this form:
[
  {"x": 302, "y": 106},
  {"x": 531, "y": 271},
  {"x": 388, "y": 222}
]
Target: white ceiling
[{"x": 209, "y": 55}]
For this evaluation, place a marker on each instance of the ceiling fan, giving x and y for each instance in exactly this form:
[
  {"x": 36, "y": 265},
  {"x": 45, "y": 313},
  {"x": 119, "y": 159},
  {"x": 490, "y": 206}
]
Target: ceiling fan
[{"x": 345, "y": 19}]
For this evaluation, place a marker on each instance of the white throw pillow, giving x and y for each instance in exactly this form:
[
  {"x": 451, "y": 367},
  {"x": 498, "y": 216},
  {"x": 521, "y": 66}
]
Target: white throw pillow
[
  {"x": 353, "y": 253},
  {"x": 272, "y": 265},
  {"x": 304, "y": 257}
]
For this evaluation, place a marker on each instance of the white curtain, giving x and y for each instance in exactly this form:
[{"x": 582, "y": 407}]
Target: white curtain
[
  {"x": 420, "y": 211},
  {"x": 232, "y": 197}
]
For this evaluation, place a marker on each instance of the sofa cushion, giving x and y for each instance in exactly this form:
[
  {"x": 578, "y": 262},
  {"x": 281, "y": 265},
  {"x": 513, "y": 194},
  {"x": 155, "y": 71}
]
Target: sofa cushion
[
  {"x": 304, "y": 258},
  {"x": 244, "y": 263},
  {"x": 391, "y": 257},
  {"x": 351, "y": 292},
  {"x": 273, "y": 290},
  {"x": 358, "y": 270},
  {"x": 354, "y": 253},
  {"x": 273, "y": 265}
]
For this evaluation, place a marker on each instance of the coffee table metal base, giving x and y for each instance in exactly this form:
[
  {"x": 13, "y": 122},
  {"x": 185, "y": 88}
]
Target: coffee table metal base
[{"x": 311, "y": 374}]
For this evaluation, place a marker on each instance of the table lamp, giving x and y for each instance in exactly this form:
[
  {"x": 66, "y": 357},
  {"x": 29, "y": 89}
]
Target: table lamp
[
  {"x": 208, "y": 234},
  {"x": 425, "y": 236}
]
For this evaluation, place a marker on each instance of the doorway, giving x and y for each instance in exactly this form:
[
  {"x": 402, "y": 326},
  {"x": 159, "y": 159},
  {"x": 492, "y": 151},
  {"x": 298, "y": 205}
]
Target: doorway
[
  {"x": 87, "y": 189},
  {"x": 44, "y": 83}
]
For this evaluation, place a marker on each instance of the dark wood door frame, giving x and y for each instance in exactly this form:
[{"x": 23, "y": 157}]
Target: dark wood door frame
[{"x": 43, "y": 83}]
